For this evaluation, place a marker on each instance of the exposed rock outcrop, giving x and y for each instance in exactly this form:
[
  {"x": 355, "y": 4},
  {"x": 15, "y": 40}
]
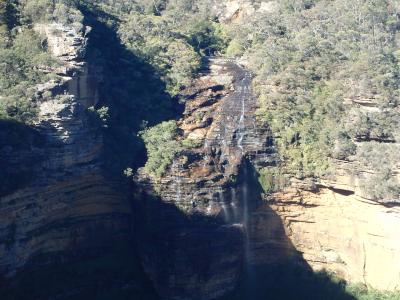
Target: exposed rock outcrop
[
  {"x": 335, "y": 223},
  {"x": 337, "y": 231},
  {"x": 67, "y": 208},
  {"x": 208, "y": 188},
  {"x": 236, "y": 11}
]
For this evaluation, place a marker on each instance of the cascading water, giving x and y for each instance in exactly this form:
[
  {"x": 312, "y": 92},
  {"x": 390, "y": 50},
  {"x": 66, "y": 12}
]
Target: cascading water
[
  {"x": 224, "y": 139},
  {"x": 225, "y": 208},
  {"x": 245, "y": 93},
  {"x": 178, "y": 181},
  {"x": 235, "y": 205},
  {"x": 209, "y": 208},
  {"x": 206, "y": 156},
  {"x": 246, "y": 217},
  {"x": 241, "y": 132}
]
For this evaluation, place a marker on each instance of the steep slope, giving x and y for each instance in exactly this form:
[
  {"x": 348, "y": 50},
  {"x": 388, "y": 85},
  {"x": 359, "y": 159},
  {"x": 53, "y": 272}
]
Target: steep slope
[
  {"x": 344, "y": 220},
  {"x": 200, "y": 208},
  {"x": 67, "y": 209},
  {"x": 201, "y": 224}
]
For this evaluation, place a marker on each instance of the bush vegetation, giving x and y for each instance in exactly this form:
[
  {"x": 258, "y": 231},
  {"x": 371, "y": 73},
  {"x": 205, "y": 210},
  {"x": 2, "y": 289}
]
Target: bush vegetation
[
  {"x": 271, "y": 179},
  {"x": 315, "y": 61},
  {"x": 21, "y": 60},
  {"x": 361, "y": 292},
  {"x": 172, "y": 36},
  {"x": 381, "y": 159},
  {"x": 161, "y": 145}
]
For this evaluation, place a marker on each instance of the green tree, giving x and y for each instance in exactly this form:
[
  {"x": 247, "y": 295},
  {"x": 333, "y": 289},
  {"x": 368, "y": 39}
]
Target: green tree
[{"x": 161, "y": 145}]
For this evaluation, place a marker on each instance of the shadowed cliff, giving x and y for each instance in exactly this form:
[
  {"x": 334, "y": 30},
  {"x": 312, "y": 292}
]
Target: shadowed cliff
[
  {"x": 275, "y": 269},
  {"x": 203, "y": 226},
  {"x": 66, "y": 218}
]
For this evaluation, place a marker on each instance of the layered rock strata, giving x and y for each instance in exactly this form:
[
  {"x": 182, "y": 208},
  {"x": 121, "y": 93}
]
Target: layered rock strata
[
  {"x": 358, "y": 239},
  {"x": 66, "y": 208},
  {"x": 207, "y": 188}
]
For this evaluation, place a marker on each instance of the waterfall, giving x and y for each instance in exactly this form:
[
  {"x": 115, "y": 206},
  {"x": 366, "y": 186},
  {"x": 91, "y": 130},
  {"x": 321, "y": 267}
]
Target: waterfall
[
  {"x": 224, "y": 141},
  {"x": 241, "y": 128},
  {"x": 246, "y": 217},
  {"x": 225, "y": 208},
  {"x": 179, "y": 192},
  {"x": 209, "y": 208},
  {"x": 245, "y": 188},
  {"x": 178, "y": 181},
  {"x": 235, "y": 205}
]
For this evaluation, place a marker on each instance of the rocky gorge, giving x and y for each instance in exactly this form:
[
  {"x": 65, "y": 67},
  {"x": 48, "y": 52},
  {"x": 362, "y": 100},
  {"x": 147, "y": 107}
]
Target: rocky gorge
[{"x": 197, "y": 230}]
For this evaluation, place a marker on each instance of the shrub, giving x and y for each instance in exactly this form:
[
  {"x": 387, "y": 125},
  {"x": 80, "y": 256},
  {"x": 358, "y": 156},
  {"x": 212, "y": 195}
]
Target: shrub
[
  {"x": 235, "y": 48},
  {"x": 20, "y": 72},
  {"x": 190, "y": 143},
  {"x": 161, "y": 146},
  {"x": 271, "y": 179},
  {"x": 62, "y": 11},
  {"x": 361, "y": 292},
  {"x": 151, "y": 38},
  {"x": 206, "y": 37},
  {"x": 382, "y": 160},
  {"x": 314, "y": 60}
]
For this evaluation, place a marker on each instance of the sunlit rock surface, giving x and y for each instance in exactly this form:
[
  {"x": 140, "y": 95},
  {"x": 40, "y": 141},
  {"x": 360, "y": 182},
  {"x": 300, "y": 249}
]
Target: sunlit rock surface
[
  {"x": 206, "y": 193},
  {"x": 356, "y": 238}
]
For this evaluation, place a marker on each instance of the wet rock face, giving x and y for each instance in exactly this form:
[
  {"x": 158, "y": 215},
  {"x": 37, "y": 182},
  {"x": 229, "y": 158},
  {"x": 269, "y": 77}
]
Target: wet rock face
[
  {"x": 207, "y": 187},
  {"x": 221, "y": 118},
  {"x": 66, "y": 208}
]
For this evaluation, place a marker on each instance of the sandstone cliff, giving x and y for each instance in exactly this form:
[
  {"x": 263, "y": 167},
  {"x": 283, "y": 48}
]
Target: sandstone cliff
[
  {"x": 197, "y": 226},
  {"x": 201, "y": 205},
  {"x": 333, "y": 222},
  {"x": 66, "y": 209}
]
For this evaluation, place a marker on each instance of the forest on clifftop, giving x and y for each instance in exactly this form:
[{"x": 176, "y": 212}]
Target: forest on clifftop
[
  {"x": 327, "y": 72},
  {"x": 326, "y": 77}
]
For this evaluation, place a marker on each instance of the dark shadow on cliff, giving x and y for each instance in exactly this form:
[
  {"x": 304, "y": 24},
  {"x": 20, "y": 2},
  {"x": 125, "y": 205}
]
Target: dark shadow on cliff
[
  {"x": 132, "y": 90},
  {"x": 20, "y": 151},
  {"x": 280, "y": 272},
  {"x": 182, "y": 253},
  {"x": 134, "y": 93},
  {"x": 115, "y": 275},
  {"x": 289, "y": 282}
]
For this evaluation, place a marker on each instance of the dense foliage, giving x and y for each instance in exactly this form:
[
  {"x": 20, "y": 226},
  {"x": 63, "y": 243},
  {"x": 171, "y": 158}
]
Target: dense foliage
[
  {"x": 23, "y": 59},
  {"x": 327, "y": 71},
  {"x": 172, "y": 36},
  {"x": 161, "y": 145},
  {"x": 360, "y": 292},
  {"x": 328, "y": 80}
]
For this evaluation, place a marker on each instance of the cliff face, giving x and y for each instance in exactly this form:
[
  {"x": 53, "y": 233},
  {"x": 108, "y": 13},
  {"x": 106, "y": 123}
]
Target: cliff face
[
  {"x": 211, "y": 190},
  {"x": 353, "y": 237},
  {"x": 201, "y": 232},
  {"x": 66, "y": 209},
  {"x": 339, "y": 222},
  {"x": 200, "y": 223},
  {"x": 333, "y": 223},
  {"x": 336, "y": 226}
]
